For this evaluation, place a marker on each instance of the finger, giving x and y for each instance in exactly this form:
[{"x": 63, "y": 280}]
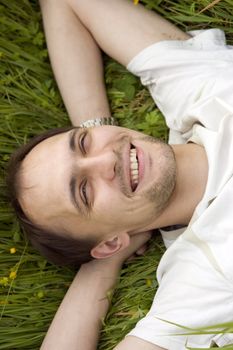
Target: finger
[
  {"x": 141, "y": 238},
  {"x": 141, "y": 250},
  {"x": 132, "y": 257}
]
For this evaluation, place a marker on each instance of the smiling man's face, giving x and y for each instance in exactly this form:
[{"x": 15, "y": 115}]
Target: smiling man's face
[{"x": 102, "y": 180}]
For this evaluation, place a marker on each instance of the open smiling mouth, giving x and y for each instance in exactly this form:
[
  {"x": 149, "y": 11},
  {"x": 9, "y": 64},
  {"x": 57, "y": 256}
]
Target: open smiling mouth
[{"x": 133, "y": 168}]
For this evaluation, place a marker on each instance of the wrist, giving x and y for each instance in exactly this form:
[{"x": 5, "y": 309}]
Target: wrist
[
  {"x": 98, "y": 122},
  {"x": 102, "y": 267}
]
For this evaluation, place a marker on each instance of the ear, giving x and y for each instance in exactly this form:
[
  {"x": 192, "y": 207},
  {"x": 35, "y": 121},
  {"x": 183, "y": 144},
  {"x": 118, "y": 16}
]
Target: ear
[{"x": 107, "y": 248}]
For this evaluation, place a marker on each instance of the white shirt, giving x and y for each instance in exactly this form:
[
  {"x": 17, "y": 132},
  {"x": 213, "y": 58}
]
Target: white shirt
[{"x": 192, "y": 84}]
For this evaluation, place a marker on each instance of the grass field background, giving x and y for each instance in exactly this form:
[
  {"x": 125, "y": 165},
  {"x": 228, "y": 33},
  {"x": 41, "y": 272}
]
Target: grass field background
[{"x": 30, "y": 288}]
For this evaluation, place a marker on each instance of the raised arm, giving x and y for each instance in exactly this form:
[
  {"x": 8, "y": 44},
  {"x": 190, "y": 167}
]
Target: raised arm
[
  {"x": 76, "y": 61},
  {"x": 78, "y": 320},
  {"x": 76, "y": 29}
]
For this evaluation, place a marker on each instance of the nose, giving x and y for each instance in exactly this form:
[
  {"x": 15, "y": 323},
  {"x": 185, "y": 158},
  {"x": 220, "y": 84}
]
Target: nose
[{"x": 102, "y": 165}]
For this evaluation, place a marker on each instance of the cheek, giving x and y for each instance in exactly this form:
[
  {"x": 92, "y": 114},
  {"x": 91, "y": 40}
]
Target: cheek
[
  {"x": 103, "y": 137},
  {"x": 137, "y": 206},
  {"x": 107, "y": 204},
  {"x": 111, "y": 201},
  {"x": 110, "y": 206}
]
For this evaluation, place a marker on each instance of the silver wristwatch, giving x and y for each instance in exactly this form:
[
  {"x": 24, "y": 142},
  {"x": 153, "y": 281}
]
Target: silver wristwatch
[{"x": 98, "y": 122}]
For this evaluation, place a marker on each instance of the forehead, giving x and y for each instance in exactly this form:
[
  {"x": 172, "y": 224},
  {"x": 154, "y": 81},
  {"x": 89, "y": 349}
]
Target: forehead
[{"x": 43, "y": 176}]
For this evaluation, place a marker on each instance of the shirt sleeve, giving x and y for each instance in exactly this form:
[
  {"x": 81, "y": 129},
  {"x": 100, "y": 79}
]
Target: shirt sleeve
[
  {"x": 191, "y": 294},
  {"x": 182, "y": 74}
]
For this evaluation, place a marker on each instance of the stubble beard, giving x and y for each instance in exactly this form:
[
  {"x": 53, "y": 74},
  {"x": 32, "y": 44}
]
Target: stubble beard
[{"x": 161, "y": 190}]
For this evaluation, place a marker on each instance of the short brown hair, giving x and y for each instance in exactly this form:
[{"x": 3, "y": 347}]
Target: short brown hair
[{"x": 57, "y": 247}]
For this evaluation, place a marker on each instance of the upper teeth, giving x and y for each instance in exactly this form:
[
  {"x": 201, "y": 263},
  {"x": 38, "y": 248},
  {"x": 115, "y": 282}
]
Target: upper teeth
[{"x": 133, "y": 167}]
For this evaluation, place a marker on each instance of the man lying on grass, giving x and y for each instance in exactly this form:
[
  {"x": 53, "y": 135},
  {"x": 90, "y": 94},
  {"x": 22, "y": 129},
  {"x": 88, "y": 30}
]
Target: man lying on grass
[{"x": 86, "y": 193}]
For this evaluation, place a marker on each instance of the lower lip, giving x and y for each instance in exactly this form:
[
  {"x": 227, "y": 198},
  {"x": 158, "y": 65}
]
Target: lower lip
[{"x": 141, "y": 164}]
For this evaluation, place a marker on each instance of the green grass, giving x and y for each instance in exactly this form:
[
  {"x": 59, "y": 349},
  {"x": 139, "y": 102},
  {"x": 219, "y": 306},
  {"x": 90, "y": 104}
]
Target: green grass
[{"x": 29, "y": 104}]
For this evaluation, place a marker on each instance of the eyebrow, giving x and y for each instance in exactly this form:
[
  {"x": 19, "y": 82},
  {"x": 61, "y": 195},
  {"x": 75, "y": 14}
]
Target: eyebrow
[
  {"x": 72, "y": 139},
  {"x": 73, "y": 181},
  {"x": 73, "y": 196}
]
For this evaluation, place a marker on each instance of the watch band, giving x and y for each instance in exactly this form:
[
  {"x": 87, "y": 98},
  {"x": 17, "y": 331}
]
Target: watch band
[{"x": 98, "y": 122}]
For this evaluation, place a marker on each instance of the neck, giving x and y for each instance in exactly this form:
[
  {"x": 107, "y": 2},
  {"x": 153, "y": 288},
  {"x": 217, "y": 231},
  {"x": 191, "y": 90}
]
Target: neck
[{"x": 191, "y": 179}]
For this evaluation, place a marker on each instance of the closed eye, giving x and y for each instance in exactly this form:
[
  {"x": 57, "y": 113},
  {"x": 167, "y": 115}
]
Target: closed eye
[
  {"x": 78, "y": 138},
  {"x": 83, "y": 193},
  {"x": 82, "y": 138}
]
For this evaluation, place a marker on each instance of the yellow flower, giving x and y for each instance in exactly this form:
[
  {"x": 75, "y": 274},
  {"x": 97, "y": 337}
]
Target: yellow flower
[
  {"x": 148, "y": 282},
  {"x": 4, "y": 281},
  {"x": 40, "y": 294},
  {"x": 13, "y": 250},
  {"x": 135, "y": 2},
  {"x": 13, "y": 275}
]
